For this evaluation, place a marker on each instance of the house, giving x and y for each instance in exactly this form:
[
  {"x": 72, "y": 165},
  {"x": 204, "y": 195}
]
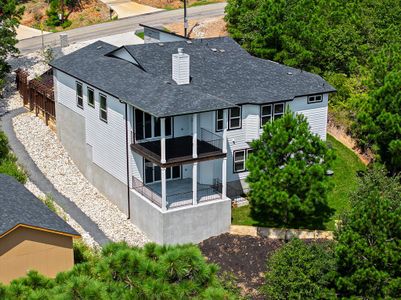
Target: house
[
  {"x": 163, "y": 129},
  {"x": 32, "y": 237}
]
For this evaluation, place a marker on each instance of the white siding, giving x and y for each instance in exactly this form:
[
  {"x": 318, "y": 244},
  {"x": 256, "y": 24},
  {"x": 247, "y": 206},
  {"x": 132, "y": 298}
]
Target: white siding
[
  {"x": 182, "y": 125},
  {"x": 107, "y": 139},
  {"x": 316, "y": 113},
  {"x": 251, "y": 121}
]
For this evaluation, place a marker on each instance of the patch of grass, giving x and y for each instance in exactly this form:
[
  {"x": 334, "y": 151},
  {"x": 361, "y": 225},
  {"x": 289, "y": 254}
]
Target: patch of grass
[
  {"x": 203, "y": 2},
  {"x": 140, "y": 34},
  {"x": 344, "y": 180},
  {"x": 8, "y": 161},
  {"x": 49, "y": 202}
]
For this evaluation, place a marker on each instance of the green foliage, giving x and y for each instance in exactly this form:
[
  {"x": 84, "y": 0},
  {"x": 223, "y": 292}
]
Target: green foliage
[
  {"x": 8, "y": 161},
  {"x": 301, "y": 270},
  {"x": 56, "y": 8},
  {"x": 9, "y": 20},
  {"x": 287, "y": 180},
  {"x": 368, "y": 240},
  {"x": 123, "y": 272},
  {"x": 82, "y": 253}
]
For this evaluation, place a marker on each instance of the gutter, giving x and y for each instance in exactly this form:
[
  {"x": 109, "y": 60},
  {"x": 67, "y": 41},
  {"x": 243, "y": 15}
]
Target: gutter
[{"x": 127, "y": 159}]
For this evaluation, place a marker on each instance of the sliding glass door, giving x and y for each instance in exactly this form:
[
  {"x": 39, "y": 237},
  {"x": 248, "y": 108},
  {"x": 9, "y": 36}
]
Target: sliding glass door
[
  {"x": 147, "y": 126},
  {"x": 152, "y": 172}
]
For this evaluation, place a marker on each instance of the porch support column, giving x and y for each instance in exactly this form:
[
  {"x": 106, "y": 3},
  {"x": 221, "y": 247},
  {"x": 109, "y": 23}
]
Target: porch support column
[
  {"x": 195, "y": 183},
  {"x": 164, "y": 190},
  {"x": 163, "y": 140},
  {"x": 195, "y": 136},
  {"x": 224, "y": 162}
]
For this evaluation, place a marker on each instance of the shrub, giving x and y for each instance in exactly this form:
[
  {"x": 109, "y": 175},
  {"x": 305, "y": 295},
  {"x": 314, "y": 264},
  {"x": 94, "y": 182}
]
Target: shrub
[
  {"x": 82, "y": 253},
  {"x": 301, "y": 270},
  {"x": 369, "y": 240},
  {"x": 287, "y": 175},
  {"x": 9, "y": 166},
  {"x": 4, "y": 150}
]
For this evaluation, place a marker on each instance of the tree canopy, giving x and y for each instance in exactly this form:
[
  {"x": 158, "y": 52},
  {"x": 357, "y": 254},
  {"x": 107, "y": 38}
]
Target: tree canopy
[
  {"x": 287, "y": 179},
  {"x": 368, "y": 240},
  {"x": 9, "y": 21},
  {"x": 123, "y": 272}
]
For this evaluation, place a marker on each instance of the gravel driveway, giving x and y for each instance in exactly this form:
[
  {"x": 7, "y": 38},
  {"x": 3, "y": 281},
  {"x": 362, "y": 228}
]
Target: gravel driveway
[{"x": 54, "y": 162}]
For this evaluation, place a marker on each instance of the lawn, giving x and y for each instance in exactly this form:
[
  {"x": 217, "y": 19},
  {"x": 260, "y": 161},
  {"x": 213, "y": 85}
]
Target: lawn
[{"x": 344, "y": 181}]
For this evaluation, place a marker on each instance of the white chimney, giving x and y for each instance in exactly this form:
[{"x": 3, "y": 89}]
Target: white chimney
[{"x": 181, "y": 67}]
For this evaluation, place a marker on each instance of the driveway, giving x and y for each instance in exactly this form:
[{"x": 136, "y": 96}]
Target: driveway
[
  {"x": 25, "y": 32},
  {"x": 128, "y": 8}
]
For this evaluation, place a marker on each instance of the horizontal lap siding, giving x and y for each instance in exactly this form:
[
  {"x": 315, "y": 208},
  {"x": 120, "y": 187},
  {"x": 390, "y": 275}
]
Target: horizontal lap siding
[
  {"x": 107, "y": 139},
  {"x": 316, "y": 114}
]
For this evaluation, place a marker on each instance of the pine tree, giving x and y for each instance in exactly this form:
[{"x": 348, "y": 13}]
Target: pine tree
[{"x": 287, "y": 180}]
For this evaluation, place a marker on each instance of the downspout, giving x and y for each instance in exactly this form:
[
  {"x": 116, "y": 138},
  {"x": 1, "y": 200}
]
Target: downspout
[{"x": 127, "y": 157}]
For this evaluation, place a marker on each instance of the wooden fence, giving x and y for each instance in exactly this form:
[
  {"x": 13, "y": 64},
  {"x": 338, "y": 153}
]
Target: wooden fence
[{"x": 38, "y": 94}]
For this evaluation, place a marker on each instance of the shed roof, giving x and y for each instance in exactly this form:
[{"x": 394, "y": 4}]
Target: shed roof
[
  {"x": 222, "y": 75},
  {"x": 19, "y": 207}
]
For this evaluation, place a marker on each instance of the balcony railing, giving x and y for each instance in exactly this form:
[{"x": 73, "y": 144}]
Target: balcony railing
[
  {"x": 177, "y": 199},
  {"x": 179, "y": 149}
]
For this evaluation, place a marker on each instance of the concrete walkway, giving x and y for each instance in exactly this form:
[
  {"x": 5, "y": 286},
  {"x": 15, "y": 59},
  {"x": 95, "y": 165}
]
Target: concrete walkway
[
  {"x": 40, "y": 180},
  {"x": 128, "y": 8}
]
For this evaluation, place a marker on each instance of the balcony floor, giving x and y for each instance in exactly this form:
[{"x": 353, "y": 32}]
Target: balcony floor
[
  {"x": 179, "y": 192},
  {"x": 178, "y": 150}
]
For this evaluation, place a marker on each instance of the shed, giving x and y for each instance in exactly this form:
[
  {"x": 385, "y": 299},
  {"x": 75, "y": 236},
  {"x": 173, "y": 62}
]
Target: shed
[{"x": 32, "y": 237}]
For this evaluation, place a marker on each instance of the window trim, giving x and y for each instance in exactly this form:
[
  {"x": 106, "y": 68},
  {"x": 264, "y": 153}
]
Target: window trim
[
  {"x": 101, "y": 109},
  {"x": 217, "y": 120},
  {"x": 273, "y": 115},
  {"x": 93, "y": 91},
  {"x": 229, "y": 118},
  {"x": 246, "y": 156},
  {"x": 77, "y": 83},
  {"x": 314, "y": 101}
]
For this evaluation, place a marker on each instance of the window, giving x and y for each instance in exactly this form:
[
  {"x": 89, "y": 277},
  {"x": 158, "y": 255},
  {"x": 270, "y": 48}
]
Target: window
[
  {"x": 80, "y": 97},
  {"x": 153, "y": 172},
  {"x": 271, "y": 112},
  {"x": 315, "y": 99},
  {"x": 103, "y": 107},
  {"x": 147, "y": 126},
  {"x": 91, "y": 97},
  {"x": 234, "y": 118},
  {"x": 239, "y": 158},
  {"x": 219, "y": 120}
]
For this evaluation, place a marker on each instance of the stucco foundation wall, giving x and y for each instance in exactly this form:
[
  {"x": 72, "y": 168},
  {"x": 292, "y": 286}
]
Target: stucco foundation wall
[
  {"x": 71, "y": 133},
  {"x": 27, "y": 249},
  {"x": 190, "y": 224}
]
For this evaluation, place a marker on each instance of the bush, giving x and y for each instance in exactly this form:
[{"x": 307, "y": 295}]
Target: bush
[
  {"x": 4, "y": 150},
  {"x": 82, "y": 253},
  {"x": 287, "y": 175},
  {"x": 9, "y": 166},
  {"x": 301, "y": 270},
  {"x": 123, "y": 272},
  {"x": 368, "y": 240}
]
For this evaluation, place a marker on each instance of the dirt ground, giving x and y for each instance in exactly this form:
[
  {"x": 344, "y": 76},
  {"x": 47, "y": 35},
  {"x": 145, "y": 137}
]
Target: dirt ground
[
  {"x": 207, "y": 28},
  {"x": 244, "y": 256},
  {"x": 90, "y": 12},
  {"x": 173, "y": 4}
]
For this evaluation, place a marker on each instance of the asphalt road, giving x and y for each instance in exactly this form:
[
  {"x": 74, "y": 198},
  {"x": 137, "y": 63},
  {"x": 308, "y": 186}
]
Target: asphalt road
[{"x": 121, "y": 26}]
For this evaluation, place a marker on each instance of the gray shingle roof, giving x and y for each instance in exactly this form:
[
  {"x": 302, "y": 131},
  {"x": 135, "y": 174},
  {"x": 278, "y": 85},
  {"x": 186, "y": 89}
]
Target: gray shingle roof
[
  {"x": 20, "y": 206},
  {"x": 219, "y": 79}
]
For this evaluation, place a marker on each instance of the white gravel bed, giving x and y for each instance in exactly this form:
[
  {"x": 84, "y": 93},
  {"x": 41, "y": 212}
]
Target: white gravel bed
[
  {"x": 86, "y": 237},
  {"x": 55, "y": 163}
]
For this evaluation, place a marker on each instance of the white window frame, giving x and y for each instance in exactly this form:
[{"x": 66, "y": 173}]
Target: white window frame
[
  {"x": 80, "y": 98},
  {"x": 246, "y": 155},
  {"x": 315, "y": 99},
  {"x": 93, "y": 92},
  {"x": 231, "y": 118},
  {"x": 219, "y": 120},
  {"x": 273, "y": 115},
  {"x": 102, "y": 109}
]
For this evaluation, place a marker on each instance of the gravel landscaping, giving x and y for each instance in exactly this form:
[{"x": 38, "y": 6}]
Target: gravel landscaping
[{"x": 51, "y": 158}]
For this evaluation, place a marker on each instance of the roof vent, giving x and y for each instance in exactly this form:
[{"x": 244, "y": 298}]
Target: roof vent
[
  {"x": 99, "y": 47},
  {"x": 180, "y": 67},
  {"x": 189, "y": 42},
  {"x": 214, "y": 49},
  {"x": 161, "y": 44},
  {"x": 222, "y": 50},
  {"x": 289, "y": 73}
]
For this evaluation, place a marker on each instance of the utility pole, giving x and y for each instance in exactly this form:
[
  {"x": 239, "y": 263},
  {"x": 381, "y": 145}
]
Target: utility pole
[{"x": 185, "y": 19}]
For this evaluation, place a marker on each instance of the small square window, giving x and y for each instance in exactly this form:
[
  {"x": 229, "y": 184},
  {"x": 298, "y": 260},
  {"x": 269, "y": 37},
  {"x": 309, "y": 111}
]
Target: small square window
[
  {"x": 91, "y": 97},
  {"x": 103, "y": 107},
  {"x": 239, "y": 161},
  {"x": 315, "y": 99},
  {"x": 266, "y": 114},
  {"x": 219, "y": 120},
  {"x": 80, "y": 97}
]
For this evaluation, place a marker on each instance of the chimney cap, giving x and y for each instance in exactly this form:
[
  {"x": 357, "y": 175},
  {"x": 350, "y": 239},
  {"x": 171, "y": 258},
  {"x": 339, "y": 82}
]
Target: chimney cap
[{"x": 180, "y": 50}]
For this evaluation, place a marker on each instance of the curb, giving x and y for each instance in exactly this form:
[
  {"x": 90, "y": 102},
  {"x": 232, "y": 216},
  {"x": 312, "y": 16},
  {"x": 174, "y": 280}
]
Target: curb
[{"x": 281, "y": 233}]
